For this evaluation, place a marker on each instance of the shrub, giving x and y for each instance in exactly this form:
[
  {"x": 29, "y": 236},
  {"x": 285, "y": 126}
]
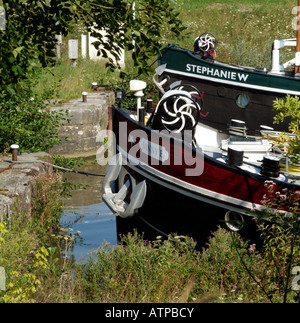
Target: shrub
[
  {"x": 28, "y": 123},
  {"x": 288, "y": 108},
  {"x": 222, "y": 273},
  {"x": 281, "y": 239}
]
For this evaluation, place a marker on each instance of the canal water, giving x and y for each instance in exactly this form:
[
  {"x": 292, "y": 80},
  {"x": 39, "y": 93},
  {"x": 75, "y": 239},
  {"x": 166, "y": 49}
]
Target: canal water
[{"x": 86, "y": 212}]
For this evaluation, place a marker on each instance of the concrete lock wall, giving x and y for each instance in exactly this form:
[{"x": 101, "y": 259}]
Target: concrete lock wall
[
  {"x": 16, "y": 181},
  {"x": 87, "y": 119},
  {"x": 17, "y": 177}
]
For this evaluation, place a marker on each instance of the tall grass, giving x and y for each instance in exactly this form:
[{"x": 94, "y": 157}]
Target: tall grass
[
  {"x": 136, "y": 271},
  {"x": 245, "y": 29},
  {"x": 67, "y": 82}
]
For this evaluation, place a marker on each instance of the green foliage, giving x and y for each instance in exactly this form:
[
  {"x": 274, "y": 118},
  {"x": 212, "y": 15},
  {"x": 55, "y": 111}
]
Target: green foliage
[
  {"x": 139, "y": 32},
  {"x": 31, "y": 265},
  {"x": 221, "y": 272},
  {"x": 138, "y": 271},
  {"x": 29, "y": 39},
  {"x": 28, "y": 42},
  {"x": 289, "y": 107},
  {"x": 281, "y": 236},
  {"x": 37, "y": 22},
  {"x": 29, "y": 123},
  {"x": 46, "y": 203},
  {"x": 67, "y": 162},
  {"x": 2, "y": 231}
]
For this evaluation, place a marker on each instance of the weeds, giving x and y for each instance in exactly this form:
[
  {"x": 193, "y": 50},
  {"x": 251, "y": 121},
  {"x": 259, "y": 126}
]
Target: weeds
[
  {"x": 46, "y": 202},
  {"x": 26, "y": 253},
  {"x": 221, "y": 273},
  {"x": 171, "y": 271},
  {"x": 34, "y": 254},
  {"x": 138, "y": 271},
  {"x": 281, "y": 239}
]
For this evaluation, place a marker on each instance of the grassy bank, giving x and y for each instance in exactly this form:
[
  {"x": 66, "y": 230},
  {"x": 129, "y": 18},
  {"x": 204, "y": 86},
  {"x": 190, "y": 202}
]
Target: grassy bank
[
  {"x": 34, "y": 255},
  {"x": 137, "y": 271}
]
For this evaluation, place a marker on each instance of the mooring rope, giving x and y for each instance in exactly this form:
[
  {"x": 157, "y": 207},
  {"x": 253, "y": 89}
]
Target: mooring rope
[{"x": 55, "y": 166}]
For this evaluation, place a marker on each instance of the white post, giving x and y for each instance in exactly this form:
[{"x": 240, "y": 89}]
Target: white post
[
  {"x": 73, "y": 51},
  {"x": 84, "y": 46},
  {"x": 58, "y": 44}
]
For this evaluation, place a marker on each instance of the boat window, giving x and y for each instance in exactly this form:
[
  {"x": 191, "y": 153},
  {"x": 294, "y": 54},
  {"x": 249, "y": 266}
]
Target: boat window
[{"x": 242, "y": 100}]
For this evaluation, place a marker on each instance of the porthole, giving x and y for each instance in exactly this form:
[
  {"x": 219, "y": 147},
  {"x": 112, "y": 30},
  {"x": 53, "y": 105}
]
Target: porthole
[
  {"x": 234, "y": 221},
  {"x": 242, "y": 101}
]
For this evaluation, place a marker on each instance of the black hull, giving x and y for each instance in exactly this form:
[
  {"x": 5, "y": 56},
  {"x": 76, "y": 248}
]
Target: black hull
[
  {"x": 166, "y": 211},
  {"x": 219, "y": 104}
]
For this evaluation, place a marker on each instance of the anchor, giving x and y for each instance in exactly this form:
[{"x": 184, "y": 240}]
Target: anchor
[{"x": 116, "y": 201}]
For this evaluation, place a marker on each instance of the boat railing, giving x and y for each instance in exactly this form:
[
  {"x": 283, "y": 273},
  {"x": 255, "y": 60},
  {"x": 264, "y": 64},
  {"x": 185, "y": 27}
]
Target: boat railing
[
  {"x": 277, "y": 68},
  {"x": 158, "y": 72}
]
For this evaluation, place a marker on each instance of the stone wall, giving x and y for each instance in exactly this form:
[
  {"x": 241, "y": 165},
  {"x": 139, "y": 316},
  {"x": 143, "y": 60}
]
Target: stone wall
[
  {"x": 87, "y": 119},
  {"x": 16, "y": 181},
  {"x": 17, "y": 178}
]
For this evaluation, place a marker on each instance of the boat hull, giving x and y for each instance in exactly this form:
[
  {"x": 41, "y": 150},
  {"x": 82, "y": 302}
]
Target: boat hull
[
  {"x": 167, "y": 211},
  {"x": 188, "y": 198}
]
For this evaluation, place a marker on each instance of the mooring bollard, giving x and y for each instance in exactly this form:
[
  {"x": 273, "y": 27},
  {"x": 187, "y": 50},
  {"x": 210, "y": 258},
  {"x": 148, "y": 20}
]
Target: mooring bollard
[
  {"x": 84, "y": 96},
  {"x": 94, "y": 86},
  {"x": 14, "y": 149}
]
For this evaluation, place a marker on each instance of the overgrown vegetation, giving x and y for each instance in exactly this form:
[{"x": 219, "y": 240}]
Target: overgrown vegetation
[
  {"x": 289, "y": 107},
  {"x": 24, "y": 249},
  {"x": 34, "y": 253},
  {"x": 38, "y": 22},
  {"x": 27, "y": 46},
  {"x": 140, "y": 271},
  {"x": 28, "y": 122}
]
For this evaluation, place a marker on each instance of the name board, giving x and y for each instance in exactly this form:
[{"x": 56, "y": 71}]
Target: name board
[{"x": 217, "y": 72}]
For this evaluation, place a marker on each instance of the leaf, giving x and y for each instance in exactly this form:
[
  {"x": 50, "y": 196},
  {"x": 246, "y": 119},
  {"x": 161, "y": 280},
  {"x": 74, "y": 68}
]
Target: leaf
[{"x": 17, "y": 51}]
